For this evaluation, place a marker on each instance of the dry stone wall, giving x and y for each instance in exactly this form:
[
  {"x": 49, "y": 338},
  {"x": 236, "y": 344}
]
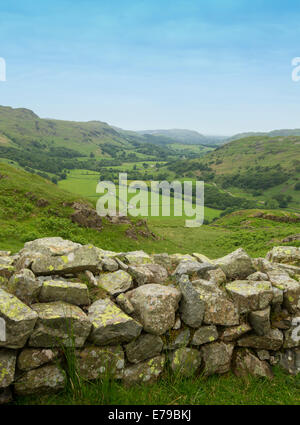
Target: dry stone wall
[{"x": 133, "y": 315}]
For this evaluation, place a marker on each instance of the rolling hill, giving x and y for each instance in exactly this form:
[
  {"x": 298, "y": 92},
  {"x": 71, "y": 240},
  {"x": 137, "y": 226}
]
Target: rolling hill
[
  {"x": 187, "y": 137},
  {"x": 262, "y": 167}
]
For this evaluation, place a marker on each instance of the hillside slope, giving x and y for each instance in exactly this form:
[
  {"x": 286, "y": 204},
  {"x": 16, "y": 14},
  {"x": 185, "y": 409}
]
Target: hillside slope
[
  {"x": 262, "y": 167},
  {"x": 32, "y": 207}
]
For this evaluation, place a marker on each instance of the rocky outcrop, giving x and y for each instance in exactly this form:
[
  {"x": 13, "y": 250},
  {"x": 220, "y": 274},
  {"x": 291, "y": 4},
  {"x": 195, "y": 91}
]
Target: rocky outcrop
[{"x": 126, "y": 316}]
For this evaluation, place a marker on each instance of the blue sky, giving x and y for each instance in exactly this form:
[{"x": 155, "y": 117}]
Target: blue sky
[{"x": 216, "y": 66}]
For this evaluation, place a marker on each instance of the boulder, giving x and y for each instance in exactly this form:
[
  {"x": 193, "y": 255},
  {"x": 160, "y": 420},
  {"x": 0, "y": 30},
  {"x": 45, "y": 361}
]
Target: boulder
[
  {"x": 178, "y": 258},
  {"x": 237, "y": 265},
  {"x": 216, "y": 276},
  {"x": 45, "y": 379},
  {"x": 258, "y": 276},
  {"x": 144, "y": 372},
  {"x": 25, "y": 286},
  {"x": 124, "y": 304},
  {"x": 81, "y": 259},
  {"x": 272, "y": 341},
  {"x": 204, "y": 335},
  {"x": 49, "y": 246},
  {"x": 192, "y": 307},
  {"x": 7, "y": 366},
  {"x": 290, "y": 287},
  {"x": 235, "y": 332},
  {"x": 182, "y": 340},
  {"x": 163, "y": 260},
  {"x": 202, "y": 258},
  {"x": 148, "y": 273},
  {"x": 109, "y": 264},
  {"x": 155, "y": 306},
  {"x": 216, "y": 358},
  {"x": 61, "y": 290},
  {"x": 191, "y": 267},
  {"x": 115, "y": 283},
  {"x": 143, "y": 348},
  {"x": 91, "y": 279},
  {"x": 185, "y": 361},
  {"x": 32, "y": 358},
  {"x": 250, "y": 295},
  {"x": 111, "y": 325},
  {"x": 95, "y": 362},
  {"x": 59, "y": 324},
  {"x": 138, "y": 258},
  {"x": 6, "y": 271},
  {"x": 263, "y": 354},
  {"x": 260, "y": 321},
  {"x": 246, "y": 363},
  {"x": 19, "y": 320},
  {"x": 219, "y": 308},
  {"x": 284, "y": 254}
]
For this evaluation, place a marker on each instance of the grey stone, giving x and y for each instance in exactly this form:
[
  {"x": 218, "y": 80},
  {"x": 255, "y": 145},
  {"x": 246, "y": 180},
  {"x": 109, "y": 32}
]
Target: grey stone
[
  {"x": 115, "y": 283},
  {"x": 272, "y": 341},
  {"x": 204, "y": 335},
  {"x": 143, "y": 348},
  {"x": 192, "y": 307},
  {"x": 59, "y": 324},
  {"x": 216, "y": 358},
  {"x": 144, "y": 372},
  {"x": 185, "y": 361},
  {"x": 31, "y": 358},
  {"x": 155, "y": 306},
  {"x": 60, "y": 290},
  {"x": 260, "y": 321},
  {"x": 19, "y": 320},
  {"x": 284, "y": 254},
  {"x": 81, "y": 259},
  {"x": 219, "y": 308},
  {"x": 96, "y": 362},
  {"x": 111, "y": 325},
  {"x": 45, "y": 379},
  {"x": 246, "y": 363},
  {"x": 232, "y": 333},
  {"x": 109, "y": 264},
  {"x": 7, "y": 367},
  {"x": 237, "y": 265},
  {"x": 124, "y": 304},
  {"x": 25, "y": 286},
  {"x": 181, "y": 340}
]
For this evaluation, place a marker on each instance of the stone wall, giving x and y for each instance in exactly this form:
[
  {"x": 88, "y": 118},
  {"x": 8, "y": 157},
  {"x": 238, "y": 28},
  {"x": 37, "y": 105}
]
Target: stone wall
[{"x": 135, "y": 314}]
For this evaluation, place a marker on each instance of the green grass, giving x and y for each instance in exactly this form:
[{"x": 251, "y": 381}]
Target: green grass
[
  {"x": 21, "y": 220},
  {"x": 215, "y": 390}
]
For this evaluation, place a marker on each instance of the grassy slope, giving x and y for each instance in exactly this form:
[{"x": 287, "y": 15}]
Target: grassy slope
[
  {"x": 263, "y": 151},
  {"x": 84, "y": 137},
  {"x": 21, "y": 220}
]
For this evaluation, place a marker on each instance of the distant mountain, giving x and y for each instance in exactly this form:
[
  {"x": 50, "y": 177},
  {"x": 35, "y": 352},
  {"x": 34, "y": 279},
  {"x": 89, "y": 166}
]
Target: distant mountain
[
  {"x": 273, "y": 133},
  {"x": 187, "y": 137}
]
